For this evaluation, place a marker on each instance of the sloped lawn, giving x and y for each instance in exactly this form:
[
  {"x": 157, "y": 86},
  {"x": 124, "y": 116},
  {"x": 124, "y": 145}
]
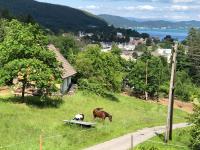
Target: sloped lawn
[{"x": 23, "y": 124}]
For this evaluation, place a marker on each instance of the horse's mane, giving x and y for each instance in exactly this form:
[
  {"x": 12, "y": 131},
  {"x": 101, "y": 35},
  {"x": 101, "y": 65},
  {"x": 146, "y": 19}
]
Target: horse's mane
[{"x": 99, "y": 109}]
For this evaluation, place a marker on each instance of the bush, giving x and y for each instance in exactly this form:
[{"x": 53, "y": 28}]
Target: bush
[
  {"x": 195, "y": 131},
  {"x": 164, "y": 90},
  {"x": 149, "y": 147},
  {"x": 92, "y": 86},
  {"x": 185, "y": 89}
]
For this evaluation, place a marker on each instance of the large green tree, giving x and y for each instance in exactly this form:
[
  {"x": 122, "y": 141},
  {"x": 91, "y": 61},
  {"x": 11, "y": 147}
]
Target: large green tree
[
  {"x": 146, "y": 75},
  {"x": 68, "y": 44},
  {"x": 99, "y": 71},
  {"x": 24, "y": 50}
]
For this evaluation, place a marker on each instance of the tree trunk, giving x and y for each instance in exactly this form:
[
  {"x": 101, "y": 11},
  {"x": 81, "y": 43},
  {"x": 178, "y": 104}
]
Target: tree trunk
[{"x": 23, "y": 91}]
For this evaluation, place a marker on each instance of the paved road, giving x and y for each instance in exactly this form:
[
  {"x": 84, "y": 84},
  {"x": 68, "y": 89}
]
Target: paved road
[{"x": 124, "y": 142}]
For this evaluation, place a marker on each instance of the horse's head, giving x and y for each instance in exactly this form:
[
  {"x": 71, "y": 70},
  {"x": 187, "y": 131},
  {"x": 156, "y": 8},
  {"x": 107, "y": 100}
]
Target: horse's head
[{"x": 110, "y": 118}]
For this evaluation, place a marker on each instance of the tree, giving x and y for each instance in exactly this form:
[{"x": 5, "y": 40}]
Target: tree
[
  {"x": 2, "y": 30},
  {"x": 98, "y": 71},
  {"x": 116, "y": 50},
  {"x": 141, "y": 48},
  {"x": 149, "y": 42},
  {"x": 182, "y": 59},
  {"x": 68, "y": 45},
  {"x": 24, "y": 51},
  {"x": 146, "y": 75},
  {"x": 194, "y": 55},
  {"x": 4, "y": 13},
  {"x": 29, "y": 71}
]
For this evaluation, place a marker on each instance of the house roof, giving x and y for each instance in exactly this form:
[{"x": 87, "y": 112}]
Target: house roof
[{"x": 68, "y": 70}]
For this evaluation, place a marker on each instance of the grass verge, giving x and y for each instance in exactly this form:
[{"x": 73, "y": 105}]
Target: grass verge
[{"x": 181, "y": 141}]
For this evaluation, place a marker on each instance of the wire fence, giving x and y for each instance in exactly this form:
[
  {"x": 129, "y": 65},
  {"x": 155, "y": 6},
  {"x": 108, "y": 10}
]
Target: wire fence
[
  {"x": 45, "y": 140},
  {"x": 41, "y": 139}
]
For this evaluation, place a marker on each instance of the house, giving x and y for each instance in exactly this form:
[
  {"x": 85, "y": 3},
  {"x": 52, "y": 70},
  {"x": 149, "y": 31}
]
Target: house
[
  {"x": 163, "y": 52},
  {"x": 83, "y": 34},
  {"x": 106, "y": 46},
  {"x": 119, "y": 35},
  {"x": 68, "y": 71}
]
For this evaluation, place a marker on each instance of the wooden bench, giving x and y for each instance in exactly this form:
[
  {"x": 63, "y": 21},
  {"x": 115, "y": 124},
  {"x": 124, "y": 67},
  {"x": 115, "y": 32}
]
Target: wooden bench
[{"x": 82, "y": 123}]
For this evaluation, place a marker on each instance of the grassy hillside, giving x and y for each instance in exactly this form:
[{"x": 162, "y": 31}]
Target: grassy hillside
[
  {"x": 25, "y": 123},
  {"x": 55, "y": 17}
]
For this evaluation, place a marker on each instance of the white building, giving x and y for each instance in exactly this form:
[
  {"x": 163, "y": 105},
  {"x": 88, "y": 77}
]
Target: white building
[
  {"x": 106, "y": 46},
  {"x": 67, "y": 71},
  {"x": 165, "y": 53}
]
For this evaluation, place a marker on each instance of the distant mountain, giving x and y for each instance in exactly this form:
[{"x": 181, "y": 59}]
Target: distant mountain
[
  {"x": 54, "y": 17},
  {"x": 131, "y": 23},
  {"x": 118, "y": 21}
]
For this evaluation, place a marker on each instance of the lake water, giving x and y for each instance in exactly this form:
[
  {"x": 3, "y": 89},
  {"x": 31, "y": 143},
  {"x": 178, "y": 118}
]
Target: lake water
[{"x": 179, "y": 34}]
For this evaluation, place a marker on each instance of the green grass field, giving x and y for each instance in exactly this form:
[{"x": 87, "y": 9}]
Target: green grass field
[
  {"x": 22, "y": 125},
  {"x": 180, "y": 141}
]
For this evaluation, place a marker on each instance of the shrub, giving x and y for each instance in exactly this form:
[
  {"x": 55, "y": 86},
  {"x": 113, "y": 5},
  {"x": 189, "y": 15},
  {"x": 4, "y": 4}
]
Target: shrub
[
  {"x": 195, "y": 131},
  {"x": 185, "y": 89}
]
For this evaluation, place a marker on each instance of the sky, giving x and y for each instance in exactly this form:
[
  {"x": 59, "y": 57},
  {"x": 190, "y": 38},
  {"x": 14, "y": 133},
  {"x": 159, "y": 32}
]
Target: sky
[{"x": 174, "y": 10}]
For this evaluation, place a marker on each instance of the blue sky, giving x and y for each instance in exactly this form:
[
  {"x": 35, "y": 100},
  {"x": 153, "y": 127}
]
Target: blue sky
[{"x": 175, "y": 10}]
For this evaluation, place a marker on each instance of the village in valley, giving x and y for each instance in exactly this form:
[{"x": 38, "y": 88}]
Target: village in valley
[
  {"x": 73, "y": 79},
  {"x": 129, "y": 50}
]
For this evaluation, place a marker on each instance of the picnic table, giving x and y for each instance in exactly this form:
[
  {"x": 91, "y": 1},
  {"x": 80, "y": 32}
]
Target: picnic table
[{"x": 82, "y": 123}]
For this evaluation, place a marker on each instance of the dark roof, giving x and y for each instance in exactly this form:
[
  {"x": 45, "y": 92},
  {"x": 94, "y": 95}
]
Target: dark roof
[{"x": 68, "y": 70}]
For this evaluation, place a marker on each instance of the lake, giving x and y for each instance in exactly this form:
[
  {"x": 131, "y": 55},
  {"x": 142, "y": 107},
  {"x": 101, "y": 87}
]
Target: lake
[{"x": 179, "y": 34}]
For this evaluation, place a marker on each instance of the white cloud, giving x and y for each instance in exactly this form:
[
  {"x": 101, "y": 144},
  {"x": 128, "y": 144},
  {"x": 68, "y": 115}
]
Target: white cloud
[
  {"x": 180, "y": 8},
  {"x": 146, "y": 7},
  {"x": 92, "y": 7},
  {"x": 183, "y": 7},
  {"x": 182, "y": 1},
  {"x": 141, "y": 7}
]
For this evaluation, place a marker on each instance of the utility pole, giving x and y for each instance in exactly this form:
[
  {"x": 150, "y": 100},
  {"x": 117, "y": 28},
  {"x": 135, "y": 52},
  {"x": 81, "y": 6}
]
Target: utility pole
[{"x": 168, "y": 134}]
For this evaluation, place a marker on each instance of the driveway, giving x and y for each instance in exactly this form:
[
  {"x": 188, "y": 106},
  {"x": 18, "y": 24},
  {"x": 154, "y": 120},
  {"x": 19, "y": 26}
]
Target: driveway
[{"x": 124, "y": 142}]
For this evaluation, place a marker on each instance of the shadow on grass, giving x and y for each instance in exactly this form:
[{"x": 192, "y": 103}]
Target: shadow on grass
[
  {"x": 160, "y": 136},
  {"x": 107, "y": 95},
  {"x": 111, "y": 97},
  {"x": 36, "y": 101}
]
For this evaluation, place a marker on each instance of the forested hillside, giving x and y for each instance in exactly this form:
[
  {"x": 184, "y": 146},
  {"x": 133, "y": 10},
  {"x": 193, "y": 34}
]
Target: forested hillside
[{"x": 54, "y": 17}]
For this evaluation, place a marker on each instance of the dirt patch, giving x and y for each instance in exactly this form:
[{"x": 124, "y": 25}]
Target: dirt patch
[
  {"x": 5, "y": 91},
  {"x": 188, "y": 107}
]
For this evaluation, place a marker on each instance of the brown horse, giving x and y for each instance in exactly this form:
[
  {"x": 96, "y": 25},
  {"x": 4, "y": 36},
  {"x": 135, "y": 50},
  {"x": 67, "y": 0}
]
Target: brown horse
[{"x": 98, "y": 113}]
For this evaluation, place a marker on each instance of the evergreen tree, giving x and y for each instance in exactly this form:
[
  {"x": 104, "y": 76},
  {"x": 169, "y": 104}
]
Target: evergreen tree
[{"x": 194, "y": 54}]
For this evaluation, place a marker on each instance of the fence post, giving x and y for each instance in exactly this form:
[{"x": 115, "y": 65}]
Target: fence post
[
  {"x": 40, "y": 142},
  {"x": 131, "y": 142}
]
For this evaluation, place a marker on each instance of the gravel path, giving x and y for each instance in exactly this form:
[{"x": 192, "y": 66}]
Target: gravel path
[{"x": 124, "y": 142}]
